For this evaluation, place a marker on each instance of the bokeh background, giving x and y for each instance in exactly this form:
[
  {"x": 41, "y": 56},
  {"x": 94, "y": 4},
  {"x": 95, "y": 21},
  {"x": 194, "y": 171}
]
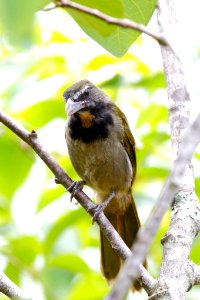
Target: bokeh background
[{"x": 48, "y": 245}]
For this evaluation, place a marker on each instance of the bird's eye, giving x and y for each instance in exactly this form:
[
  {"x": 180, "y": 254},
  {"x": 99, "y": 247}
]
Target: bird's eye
[{"x": 86, "y": 92}]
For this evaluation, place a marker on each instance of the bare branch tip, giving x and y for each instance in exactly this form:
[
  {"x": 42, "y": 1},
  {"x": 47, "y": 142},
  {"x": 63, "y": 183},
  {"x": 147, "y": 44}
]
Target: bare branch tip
[
  {"x": 33, "y": 134},
  {"x": 57, "y": 181}
]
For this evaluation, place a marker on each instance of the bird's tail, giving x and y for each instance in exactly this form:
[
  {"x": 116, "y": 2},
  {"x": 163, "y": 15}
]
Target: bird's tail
[{"x": 127, "y": 224}]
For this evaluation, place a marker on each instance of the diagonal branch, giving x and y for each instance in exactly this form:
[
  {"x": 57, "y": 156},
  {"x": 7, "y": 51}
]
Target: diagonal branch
[
  {"x": 197, "y": 274},
  {"x": 122, "y": 22},
  {"x": 8, "y": 288},
  {"x": 145, "y": 235},
  {"x": 174, "y": 281},
  {"x": 111, "y": 234}
]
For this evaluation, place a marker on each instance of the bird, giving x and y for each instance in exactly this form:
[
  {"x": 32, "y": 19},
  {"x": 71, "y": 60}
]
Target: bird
[{"x": 101, "y": 148}]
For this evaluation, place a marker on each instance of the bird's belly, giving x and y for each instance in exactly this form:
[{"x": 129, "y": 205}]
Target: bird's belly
[{"x": 104, "y": 165}]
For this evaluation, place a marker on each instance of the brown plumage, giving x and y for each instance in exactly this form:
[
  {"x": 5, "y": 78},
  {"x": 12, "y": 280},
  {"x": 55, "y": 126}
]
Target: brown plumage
[{"x": 102, "y": 150}]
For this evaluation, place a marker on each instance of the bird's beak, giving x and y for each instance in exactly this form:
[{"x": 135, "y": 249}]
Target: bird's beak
[{"x": 72, "y": 107}]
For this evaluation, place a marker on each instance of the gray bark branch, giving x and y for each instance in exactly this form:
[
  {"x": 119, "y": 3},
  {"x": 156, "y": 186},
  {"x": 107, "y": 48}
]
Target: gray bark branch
[
  {"x": 177, "y": 273},
  {"x": 116, "y": 241},
  {"x": 179, "y": 101},
  {"x": 8, "y": 288},
  {"x": 145, "y": 235}
]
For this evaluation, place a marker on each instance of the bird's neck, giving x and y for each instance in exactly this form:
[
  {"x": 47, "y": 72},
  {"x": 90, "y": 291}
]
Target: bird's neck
[{"x": 89, "y": 127}]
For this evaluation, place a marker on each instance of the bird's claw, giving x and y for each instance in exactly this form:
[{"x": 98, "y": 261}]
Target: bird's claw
[
  {"x": 98, "y": 208},
  {"x": 75, "y": 187}
]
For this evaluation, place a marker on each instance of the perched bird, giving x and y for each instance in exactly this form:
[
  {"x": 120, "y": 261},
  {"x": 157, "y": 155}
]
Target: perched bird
[{"x": 102, "y": 151}]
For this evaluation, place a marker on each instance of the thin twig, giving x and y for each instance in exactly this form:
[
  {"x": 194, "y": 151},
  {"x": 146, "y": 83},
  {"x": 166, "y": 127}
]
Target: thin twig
[
  {"x": 8, "y": 288},
  {"x": 111, "y": 234},
  {"x": 122, "y": 22}
]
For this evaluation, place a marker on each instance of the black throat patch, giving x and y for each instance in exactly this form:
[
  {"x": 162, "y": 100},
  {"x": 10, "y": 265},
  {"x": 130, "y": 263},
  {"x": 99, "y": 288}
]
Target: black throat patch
[{"x": 99, "y": 128}]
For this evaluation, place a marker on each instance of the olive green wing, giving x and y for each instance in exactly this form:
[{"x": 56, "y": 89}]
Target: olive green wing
[{"x": 127, "y": 140}]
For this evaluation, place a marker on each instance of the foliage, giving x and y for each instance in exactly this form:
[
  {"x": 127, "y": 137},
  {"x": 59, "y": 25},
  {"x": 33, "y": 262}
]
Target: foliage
[
  {"x": 113, "y": 38},
  {"x": 48, "y": 244},
  {"x": 17, "y": 19}
]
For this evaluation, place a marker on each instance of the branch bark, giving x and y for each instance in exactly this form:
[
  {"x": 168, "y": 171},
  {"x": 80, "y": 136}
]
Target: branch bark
[
  {"x": 173, "y": 281},
  {"x": 179, "y": 101},
  {"x": 177, "y": 273},
  {"x": 197, "y": 274},
  {"x": 111, "y": 234},
  {"x": 145, "y": 235},
  {"x": 8, "y": 288}
]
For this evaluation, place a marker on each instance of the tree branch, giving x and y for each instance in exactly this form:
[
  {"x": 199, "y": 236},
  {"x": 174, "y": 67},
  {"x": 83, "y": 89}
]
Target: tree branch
[
  {"x": 8, "y": 288},
  {"x": 179, "y": 101},
  {"x": 145, "y": 235},
  {"x": 177, "y": 273},
  {"x": 111, "y": 234},
  {"x": 122, "y": 22},
  {"x": 197, "y": 274}
]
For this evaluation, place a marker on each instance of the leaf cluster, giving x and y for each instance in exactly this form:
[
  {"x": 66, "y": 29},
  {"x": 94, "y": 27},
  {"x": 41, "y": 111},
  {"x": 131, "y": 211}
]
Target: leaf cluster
[{"x": 47, "y": 242}]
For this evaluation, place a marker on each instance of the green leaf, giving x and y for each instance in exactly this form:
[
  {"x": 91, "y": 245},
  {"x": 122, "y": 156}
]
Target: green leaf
[
  {"x": 49, "y": 196},
  {"x": 72, "y": 218},
  {"x": 129, "y": 59},
  {"x": 194, "y": 255},
  {"x": 59, "y": 37},
  {"x": 156, "y": 246},
  {"x": 147, "y": 173},
  {"x": 46, "y": 66},
  {"x": 197, "y": 186},
  {"x": 25, "y": 249},
  {"x": 17, "y": 18},
  {"x": 70, "y": 262},
  {"x": 152, "y": 115},
  {"x": 5, "y": 214},
  {"x": 56, "y": 282},
  {"x": 13, "y": 272},
  {"x": 152, "y": 82},
  {"x": 16, "y": 160},
  {"x": 92, "y": 286},
  {"x": 38, "y": 115},
  {"x": 114, "y": 38},
  {"x": 100, "y": 61}
]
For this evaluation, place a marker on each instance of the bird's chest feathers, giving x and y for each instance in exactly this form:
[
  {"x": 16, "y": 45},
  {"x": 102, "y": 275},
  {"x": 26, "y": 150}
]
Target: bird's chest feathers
[
  {"x": 86, "y": 119},
  {"x": 104, "y": 165},
  {"x": 88, "y": 127}
]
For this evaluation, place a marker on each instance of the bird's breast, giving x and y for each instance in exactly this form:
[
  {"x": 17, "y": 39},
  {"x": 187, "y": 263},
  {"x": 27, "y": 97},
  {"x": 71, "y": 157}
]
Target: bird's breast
[
  {"x": 86, "y": 118},
  {"x": 103, "y": 164}
]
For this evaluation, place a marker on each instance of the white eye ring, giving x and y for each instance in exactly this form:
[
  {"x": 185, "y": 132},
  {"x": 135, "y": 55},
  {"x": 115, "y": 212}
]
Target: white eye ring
[
  {"x": 81, "y": 92},
  {"x": 85, "y": 89}
]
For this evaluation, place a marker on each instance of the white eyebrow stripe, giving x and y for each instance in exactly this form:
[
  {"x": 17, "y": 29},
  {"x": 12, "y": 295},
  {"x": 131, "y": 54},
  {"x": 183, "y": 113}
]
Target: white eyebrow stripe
[{"x": 79, "y": 93}]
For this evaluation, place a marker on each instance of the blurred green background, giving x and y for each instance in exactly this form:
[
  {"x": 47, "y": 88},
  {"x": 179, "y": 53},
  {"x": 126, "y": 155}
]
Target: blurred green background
[{"x": 48, "y": 245}]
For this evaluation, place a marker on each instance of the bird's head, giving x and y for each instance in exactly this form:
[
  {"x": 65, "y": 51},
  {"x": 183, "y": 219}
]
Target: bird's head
[
  {"x": 86, "y": 102},
  {"x": 80, "y": 97},
  {"x": 90, "y": 111}
]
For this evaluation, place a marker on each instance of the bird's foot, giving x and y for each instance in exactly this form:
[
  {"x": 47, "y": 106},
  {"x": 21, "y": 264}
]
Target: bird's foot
[
  {"x": 75, "y": 187},
  {"x": 98, "y": 208}
]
